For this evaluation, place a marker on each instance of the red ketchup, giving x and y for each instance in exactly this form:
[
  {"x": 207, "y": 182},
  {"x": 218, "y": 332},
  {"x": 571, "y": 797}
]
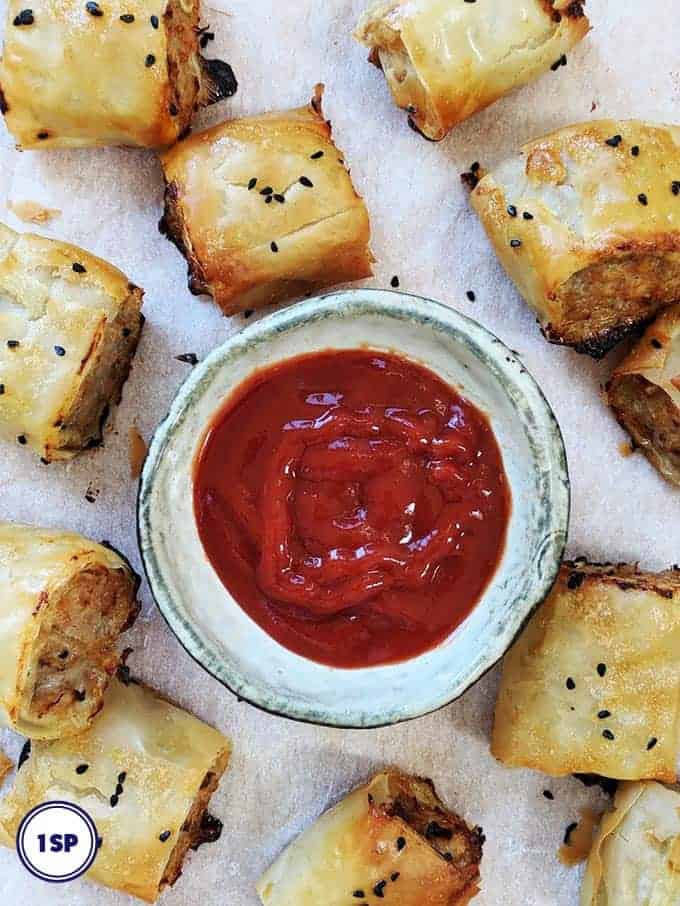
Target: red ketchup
[{"x": 353, "y": 504}]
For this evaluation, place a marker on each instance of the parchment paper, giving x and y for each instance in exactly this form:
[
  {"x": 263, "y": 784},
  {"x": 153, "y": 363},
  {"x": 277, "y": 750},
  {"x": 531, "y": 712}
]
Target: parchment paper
[{"x": 283, "y": 775}]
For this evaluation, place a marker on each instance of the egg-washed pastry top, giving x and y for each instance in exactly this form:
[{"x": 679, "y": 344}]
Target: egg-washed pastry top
[
  {"x": 444, "y": 61},
  {"x": 64, "y": 601},
  {"x": 593, "y": 684},
  {"x": 144, "y": 772},
  {"x": 69, "y": 327},
  {"x": 586, "y": 221},
  {"x": 645, "y": 393},
  {"x": 391, "y": 839},
  {"x": 264, "y": 208},
  {"x": 113, "y": 72},
  {"x": 635, "y": 857}
]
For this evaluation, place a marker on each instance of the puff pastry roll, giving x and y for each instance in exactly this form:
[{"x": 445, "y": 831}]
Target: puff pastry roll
[
  {"x": 113, "y": 72},
  {"x": 644, "y": 392},
  {"x": 635, "y": 857},
  {"x": 592, "y": 686},
  {"x": 264, "y": 209},
  {"x": 64, "y": 601},
  {"x": 586, "y": 221},
  {"x": 444, "y": 61},
  {"x": 69, "y": 327},
  {"x": 391, "y": 839},
  {"x": 144, "y": 772}
]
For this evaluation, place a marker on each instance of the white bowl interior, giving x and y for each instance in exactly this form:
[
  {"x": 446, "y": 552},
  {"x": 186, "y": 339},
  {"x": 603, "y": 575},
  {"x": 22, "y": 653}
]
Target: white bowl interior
[{"x": 218, "y": 633}]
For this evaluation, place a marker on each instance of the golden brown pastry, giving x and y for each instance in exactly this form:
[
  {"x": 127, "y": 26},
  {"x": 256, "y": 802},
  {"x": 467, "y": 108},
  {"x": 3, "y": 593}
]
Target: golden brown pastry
[
  {"x": 144, "y": 772},
  {"x": 6, "y": 766},
  {"x": 264, "y": 209},
  {"x": 644, "y": 392},
  {"x": 635, "y": 857},
  {"x": 114, "y": 72},
  {"x": 445, "y": 60},
  {"x": 69, "y": 328},
  {"x": 392, "y": 839},
  {"x": 592, "y": 685},
  {"x": 586, "y": 221},
  {"x": 64, "y": 601}
]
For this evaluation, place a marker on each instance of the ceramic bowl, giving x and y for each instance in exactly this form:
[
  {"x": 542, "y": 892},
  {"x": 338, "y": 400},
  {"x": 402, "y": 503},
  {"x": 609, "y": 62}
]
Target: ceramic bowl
[{"x": 226, "y": 642}]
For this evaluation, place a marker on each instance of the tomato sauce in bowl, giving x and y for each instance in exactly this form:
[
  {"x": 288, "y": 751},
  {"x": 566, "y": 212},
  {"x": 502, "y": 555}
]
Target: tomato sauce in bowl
[{"x": 353, "y": 504}]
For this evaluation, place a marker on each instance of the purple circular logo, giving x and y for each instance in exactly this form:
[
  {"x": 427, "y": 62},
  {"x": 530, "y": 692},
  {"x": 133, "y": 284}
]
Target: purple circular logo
[{"x": 57, "y": 841}]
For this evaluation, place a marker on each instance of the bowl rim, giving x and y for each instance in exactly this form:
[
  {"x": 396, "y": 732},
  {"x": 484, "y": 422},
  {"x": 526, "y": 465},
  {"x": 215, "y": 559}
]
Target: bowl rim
[{"x": 379, "y": 301}]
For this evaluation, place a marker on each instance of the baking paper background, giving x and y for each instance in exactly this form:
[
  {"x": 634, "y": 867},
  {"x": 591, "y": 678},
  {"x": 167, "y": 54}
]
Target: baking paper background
[{"x": 283, "y": 775}]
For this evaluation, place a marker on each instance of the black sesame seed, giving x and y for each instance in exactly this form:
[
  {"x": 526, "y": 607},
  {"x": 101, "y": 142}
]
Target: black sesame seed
[
  {"x": 548, "y": 795},
  {"x": 22, "y": 440},
  {"x": 394, "y": 876},
  {"x": 306, "y": 182},
  {"x": 12, "y": 344},
  {"x": 379, "y": 888},
  {"x": 63, "y": 654},
  {"x": 189, "y": 358},
  {"x": 657, "y": 344},
  {"x": 174, "y": 110},
  {"x": 675, "y": 187},
  {"x": 359, "y": 894},
  {"x": 45, "y": 462},
  {"x": 126, "y": 331},
  {"x": 652, "y": 742},
  {"x": 512, "y": 210},
  {"x": 150, "y": 60},
  {"x": 608, "y": 734},
  {"x": 570, "y": 683},
  {"x": 642, "y": 198},
  {"x": 248, "y": 313},
  {"x": 471, "y": 296},
  {"x": 527, "y": 216},
  {"x": 515, "y": 243},
  {"x": 60, "y": 351},
  {"x": 24, "y": 755},
  {"x": 119, "y": 789},
  {"x": 80, "y": 695},
  {"x": 164, "y": 836},
  {"x": 154, "y": 21},
  {"x": 82, "y": 768},
  {"x": 401, "y": 843},
  {"x": 93, "y": 8},
  {"x": 25, "y": 17},
  {"x": 79, "y": 269},
  {"x": 114, "y": 801},
  {"x": 317, "y": 155},
  {"x": 448, "y": 857},
  {"x": 252, "y": 184},
  {"x": 394, "y": 281},
  {"x": 575, "y": 580},
  {"x": 269, "y": 199},
  {"x": 267, "y": 191},
  {"x": 280, "y": 198},
  {"x": 127, "y": 18},
  {"x": 122, "y": 776},
  {"x": 603, "y": 715},
  {"x": 2, "y": 389},
  {"x": 43, "y": 135},
  {"x": 635, "y": 150},
  {"x": 614, "y": 141},
  {"x": 601, "y": 669},
  {"x": 569, "y": 831},
  {"x": 274, "y": 247}
]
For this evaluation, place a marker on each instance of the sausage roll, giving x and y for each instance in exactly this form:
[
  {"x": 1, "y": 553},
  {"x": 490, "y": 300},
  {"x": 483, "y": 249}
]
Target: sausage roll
[
  {"x": 445, "y": 61},
  {"x": 586, "y": 221},
  {"x": 113, "y": 72},
  {"x": 64, "y": 601},
  {"x": 69, "y": 327},
  {"x": 264, "y": 209},
  {"x": 635, "y": 857},
  {"x": 644, "y": 392},
  {"x": 592, "y": 686},
  {"x": 144, "y": 772},
  {"x": 391, "y": 839}
]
